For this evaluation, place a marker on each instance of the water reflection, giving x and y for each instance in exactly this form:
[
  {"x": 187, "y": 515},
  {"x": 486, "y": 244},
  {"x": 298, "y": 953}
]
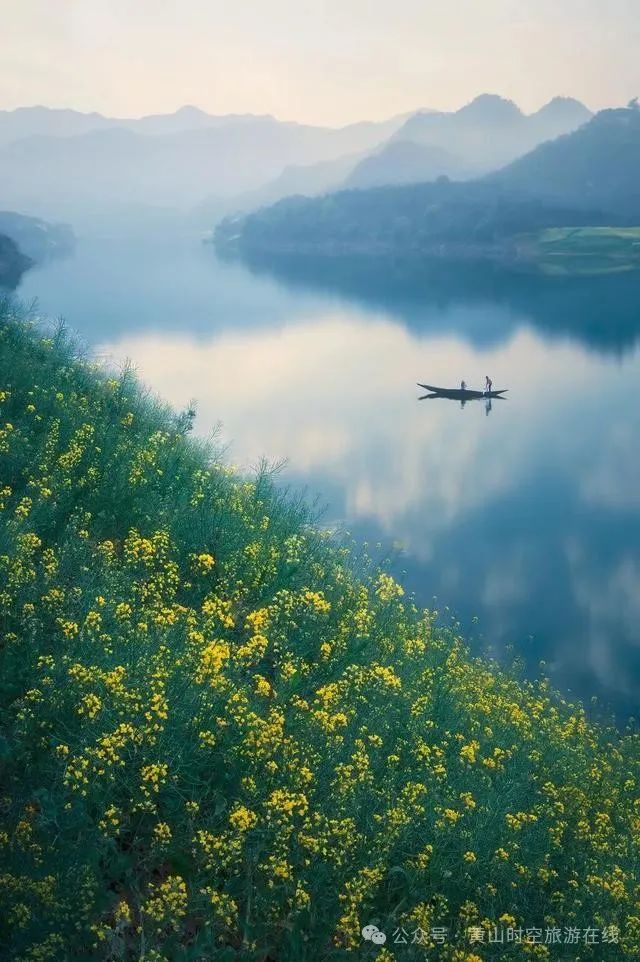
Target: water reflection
[
  {"x": 529, "y": 519},
  {"x": 159, "y": 283},
  {"x": 462, "y": 401},
  {"x": 484, "y": 302},
  {"x": 174, "y": 283}
]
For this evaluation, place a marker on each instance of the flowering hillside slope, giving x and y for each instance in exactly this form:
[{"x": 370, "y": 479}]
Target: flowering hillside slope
[{"x": 222, "y": 737}]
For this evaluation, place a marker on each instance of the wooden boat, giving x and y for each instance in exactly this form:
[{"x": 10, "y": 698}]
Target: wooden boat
[{"x": 457, "y": 394}]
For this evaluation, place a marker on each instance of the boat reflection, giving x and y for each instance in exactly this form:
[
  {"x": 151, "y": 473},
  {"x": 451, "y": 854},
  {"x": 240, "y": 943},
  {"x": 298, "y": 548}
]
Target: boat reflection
[{"x": 463, "y": 395}]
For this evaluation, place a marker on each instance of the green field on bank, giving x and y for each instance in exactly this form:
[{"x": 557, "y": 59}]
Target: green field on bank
[
  {"x": 588, "y": 250},
  {"x": 224, "y": 735}
]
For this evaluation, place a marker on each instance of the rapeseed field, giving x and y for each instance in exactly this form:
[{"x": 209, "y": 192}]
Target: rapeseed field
[{"x": 224, "y": 735}]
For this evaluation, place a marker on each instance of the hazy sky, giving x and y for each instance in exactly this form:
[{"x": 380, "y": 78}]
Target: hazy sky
[{"x": 326, "y": 61}]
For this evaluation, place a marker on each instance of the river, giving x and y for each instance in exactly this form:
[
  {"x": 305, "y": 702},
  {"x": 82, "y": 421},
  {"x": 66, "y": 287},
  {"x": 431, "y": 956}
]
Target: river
[{"x": 522, "y": 521}]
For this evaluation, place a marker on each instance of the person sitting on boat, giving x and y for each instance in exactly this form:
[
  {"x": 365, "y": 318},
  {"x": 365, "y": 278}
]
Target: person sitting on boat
[{"x": 487, "y": 384}]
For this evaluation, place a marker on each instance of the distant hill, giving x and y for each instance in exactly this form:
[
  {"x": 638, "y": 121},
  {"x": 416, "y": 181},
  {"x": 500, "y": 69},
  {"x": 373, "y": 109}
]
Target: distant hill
[
  {"x": 560, "y": 116},
  {"x": 444, "y": 218},
  {"x": 47, "y": 122},
  {"x": 596, "y": 166},
  {"x": 89, "y": 168},
  {"x": 27, "y": 122},
  {"x": 50, "y": 122},
  {"x": 491, "y": 131},
  {"x": 171, "y": 161},
  {"x": 587, "y": 178},
  {"x": 474, "y": 130},
  {"x": 13, "y": 263},
  {"x": 307, "y": 179},
  {"x": 406, "y": 162},
  {"x": 36, "y": 238}
]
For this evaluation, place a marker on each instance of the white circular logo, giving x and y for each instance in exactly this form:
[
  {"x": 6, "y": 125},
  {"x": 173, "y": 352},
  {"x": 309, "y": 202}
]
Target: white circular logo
[{"x": 373, "y": 934}]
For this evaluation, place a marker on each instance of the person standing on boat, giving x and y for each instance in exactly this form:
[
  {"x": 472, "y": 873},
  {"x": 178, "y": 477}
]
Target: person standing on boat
[
  {"x": 488, "y": 383},
  {"x": 463, "y": 386}
]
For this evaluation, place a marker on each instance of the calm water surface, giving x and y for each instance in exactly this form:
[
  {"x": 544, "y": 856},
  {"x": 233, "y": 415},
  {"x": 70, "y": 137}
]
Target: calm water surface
[{"x": 526, "y": 517}]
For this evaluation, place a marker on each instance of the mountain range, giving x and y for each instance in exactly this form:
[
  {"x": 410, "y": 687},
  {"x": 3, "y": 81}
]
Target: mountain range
[
  {"x": 464, "y": 132},
  {"x": 482, "y": 136},
  {"x": 596, "y": 166},
  {"x": 89, "y": 168},
  {"x": 52, "y": 122},
  {"x": 588, "y": 177},
  {"x": 62, "y": 164}
]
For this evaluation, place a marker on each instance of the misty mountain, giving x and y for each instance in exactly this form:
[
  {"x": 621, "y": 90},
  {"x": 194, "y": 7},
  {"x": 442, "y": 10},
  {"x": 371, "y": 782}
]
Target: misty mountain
[
  {"x": 560, "y": 116},
  {"x": 444, "y": 218},
  {"x": 93, "y": 173},
  {"x": 92, "y": 169},
  {"x": 309, "y": 180},
  {"x": 490, "y": 131},
  {"x": 13, "y": 263},
  {"x": 47, "y": 122},
  {"x": 184, "y": 119},
  {"x": 485, "y": 134},
  {"x": 409, "y": 161},
  {"x": 588, "y": 177},
  {"x": 25, "y": 241},
  {"x": 36, "y": 238},
  {"x": 596, "y": 166},
  {"x": 51, "y": 122},
  {"x": 406, "y": 162}
]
